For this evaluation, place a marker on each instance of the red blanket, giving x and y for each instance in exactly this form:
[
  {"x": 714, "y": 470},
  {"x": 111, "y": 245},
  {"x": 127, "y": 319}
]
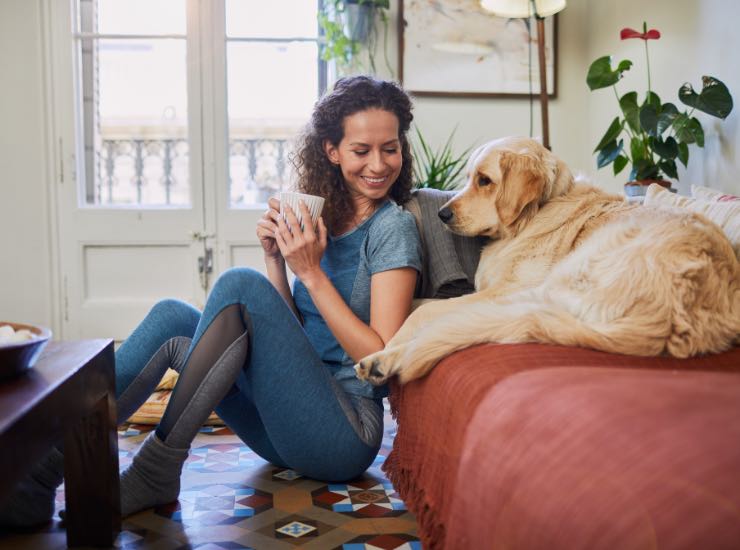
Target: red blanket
[{"x": 435, "y": 412}]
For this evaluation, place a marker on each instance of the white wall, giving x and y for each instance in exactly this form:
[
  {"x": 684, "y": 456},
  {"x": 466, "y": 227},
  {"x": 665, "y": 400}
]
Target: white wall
[
  {"x": 698, "y": 38},
  {"x": 479, "y": 120},
  {"x": 25, "y": 255}
]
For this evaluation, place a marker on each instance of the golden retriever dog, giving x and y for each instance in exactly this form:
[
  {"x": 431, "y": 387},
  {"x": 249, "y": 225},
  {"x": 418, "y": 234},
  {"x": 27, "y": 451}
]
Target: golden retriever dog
[{"x": 570, "y": 264}]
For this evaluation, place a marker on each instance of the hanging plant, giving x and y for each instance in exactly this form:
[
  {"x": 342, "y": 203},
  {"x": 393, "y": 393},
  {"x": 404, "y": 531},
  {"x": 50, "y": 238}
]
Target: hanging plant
[{"x": 349, "y": 28}]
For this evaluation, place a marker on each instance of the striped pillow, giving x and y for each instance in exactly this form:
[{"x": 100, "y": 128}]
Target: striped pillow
[{"x": 709, "y": 194}]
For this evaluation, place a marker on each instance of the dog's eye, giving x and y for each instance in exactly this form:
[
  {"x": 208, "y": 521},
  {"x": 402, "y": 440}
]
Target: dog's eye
[{"x": 483, "y": 180}]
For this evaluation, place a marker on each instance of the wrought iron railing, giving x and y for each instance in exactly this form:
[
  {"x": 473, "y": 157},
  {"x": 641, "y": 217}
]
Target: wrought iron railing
[{"x": 155, "y": 172}]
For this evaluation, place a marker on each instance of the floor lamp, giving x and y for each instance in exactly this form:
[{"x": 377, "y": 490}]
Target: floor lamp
[{"x": 524, "y": 9}]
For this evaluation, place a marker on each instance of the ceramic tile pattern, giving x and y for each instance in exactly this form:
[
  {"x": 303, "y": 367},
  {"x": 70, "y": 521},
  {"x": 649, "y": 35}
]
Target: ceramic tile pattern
[{"x": 232, "y": 499}]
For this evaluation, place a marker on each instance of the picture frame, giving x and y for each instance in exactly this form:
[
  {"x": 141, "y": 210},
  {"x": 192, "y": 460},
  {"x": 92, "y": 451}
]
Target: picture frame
[{"x": 454, "y": 48}]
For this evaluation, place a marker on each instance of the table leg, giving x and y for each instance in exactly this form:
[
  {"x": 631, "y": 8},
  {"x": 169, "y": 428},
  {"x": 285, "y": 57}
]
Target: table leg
[{"x": 91, "y": 477}]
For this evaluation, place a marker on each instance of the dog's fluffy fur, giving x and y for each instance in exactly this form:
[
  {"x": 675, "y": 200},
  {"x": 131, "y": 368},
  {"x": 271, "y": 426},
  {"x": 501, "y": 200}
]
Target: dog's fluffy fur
[{"x": 572, "y": 265}]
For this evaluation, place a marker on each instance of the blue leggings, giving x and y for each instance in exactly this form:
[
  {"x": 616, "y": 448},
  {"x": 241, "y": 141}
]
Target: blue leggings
[{"x": 284, "y": 404}]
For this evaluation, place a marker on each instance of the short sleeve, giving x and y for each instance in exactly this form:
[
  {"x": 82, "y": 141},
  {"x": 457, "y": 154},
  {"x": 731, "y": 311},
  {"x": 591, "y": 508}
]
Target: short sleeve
[{"x": 393, "y": 242}]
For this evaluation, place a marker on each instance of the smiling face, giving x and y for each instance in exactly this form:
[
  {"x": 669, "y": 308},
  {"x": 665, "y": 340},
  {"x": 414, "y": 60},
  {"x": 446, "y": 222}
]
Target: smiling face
[{"x": 369, "y": 154}]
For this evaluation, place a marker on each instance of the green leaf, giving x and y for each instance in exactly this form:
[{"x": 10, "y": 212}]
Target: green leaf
[
  {"x": 601, "y": 75},
  {"x": 624, "y": 65},
  {"x": 668, "y": 114},
  {"x": 637, "y": 149},
  {"x": 619, "y": 163},
  {"x": 644, "y": 169},
  {"x": 667, "y": 149},
  {"x": 696, "y": 129},
  {"x": 609, "y": 153},
  {"x": 649, "y": 118},
  {"x": 683, "y": 154},
  {"x": 714, "y": 98},
  {"x": 615, "y": 128},
  {"x": 669, "y": 168},
  {"x": 438, "y": 169},
  {"x": 628, "y": 104},
  {"x": 335, "y": 44},
  {"x": 652, "y": 99},
  {"x": 681, "y": 129}
]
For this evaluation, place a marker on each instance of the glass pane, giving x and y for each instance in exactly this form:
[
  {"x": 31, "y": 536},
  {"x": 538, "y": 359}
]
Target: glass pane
[
  {"x": 271, "y": 90},
  {"x": 276, "y": 18},
  {"x": 140, "y": 17},
  {"x": 136, "y": 131}
]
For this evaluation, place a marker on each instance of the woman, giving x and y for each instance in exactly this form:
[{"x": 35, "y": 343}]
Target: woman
[{"x": 276, "y": 365}]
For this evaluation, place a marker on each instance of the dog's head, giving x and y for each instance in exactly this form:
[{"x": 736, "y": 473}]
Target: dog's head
[{"x": 508, "y": 180}]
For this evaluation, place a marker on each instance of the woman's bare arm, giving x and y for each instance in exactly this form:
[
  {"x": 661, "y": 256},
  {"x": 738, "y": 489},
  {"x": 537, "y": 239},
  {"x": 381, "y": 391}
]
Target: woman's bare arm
[{"x": 391, "y": 291}]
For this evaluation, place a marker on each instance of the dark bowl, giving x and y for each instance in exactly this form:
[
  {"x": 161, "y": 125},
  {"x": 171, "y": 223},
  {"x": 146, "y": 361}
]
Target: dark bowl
[{"x": 17, "y": 357}]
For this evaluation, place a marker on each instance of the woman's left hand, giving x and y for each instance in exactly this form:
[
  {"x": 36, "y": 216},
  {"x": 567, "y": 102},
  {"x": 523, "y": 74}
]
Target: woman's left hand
[{"x": 302, "y": 249}]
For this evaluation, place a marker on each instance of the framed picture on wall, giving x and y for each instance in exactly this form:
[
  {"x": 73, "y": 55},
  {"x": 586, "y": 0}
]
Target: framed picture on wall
[{"x": 454, "y": 48}]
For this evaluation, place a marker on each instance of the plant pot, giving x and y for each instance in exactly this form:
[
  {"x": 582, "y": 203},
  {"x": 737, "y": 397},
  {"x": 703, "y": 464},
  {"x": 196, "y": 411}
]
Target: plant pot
[
  {"x": 638, "y": 188},
  {"x": 357, "y": 21}
]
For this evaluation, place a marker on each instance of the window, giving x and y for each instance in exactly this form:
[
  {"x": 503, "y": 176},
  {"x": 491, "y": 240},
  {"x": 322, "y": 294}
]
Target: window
[
  {"x": 273, "y": 76},
  {"x": 136, "y": 62}
]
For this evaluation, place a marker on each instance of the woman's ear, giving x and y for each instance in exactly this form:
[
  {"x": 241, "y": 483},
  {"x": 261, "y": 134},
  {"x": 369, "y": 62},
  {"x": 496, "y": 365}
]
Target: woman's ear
[{"x": 331, "y": 152}]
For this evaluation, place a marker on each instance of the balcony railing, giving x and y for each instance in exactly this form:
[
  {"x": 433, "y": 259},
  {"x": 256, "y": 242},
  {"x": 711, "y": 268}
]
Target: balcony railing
[{"x": 155, "y": 172}]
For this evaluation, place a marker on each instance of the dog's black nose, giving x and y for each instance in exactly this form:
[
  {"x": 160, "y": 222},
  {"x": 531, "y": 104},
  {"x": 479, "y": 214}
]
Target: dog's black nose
[{"x": 445, "y": 214}]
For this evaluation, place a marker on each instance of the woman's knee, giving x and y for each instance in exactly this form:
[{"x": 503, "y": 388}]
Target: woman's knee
[
  {"x": 241, "y": 284},
  {"x": 176, "y": 315}
]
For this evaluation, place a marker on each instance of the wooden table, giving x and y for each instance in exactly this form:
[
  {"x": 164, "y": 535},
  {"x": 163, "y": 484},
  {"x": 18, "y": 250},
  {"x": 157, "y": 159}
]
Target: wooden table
[{"x": 69, "y": 394}]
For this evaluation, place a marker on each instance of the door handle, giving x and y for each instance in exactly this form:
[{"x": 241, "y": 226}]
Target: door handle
[
  {"x": 200, "y": 236},
  {"x": 205, "y": 262},
  {"x": 205, "y": 267}
]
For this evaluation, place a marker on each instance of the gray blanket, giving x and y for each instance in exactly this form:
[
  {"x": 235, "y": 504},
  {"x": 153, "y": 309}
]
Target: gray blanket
[{"x": 449, "y": 261}]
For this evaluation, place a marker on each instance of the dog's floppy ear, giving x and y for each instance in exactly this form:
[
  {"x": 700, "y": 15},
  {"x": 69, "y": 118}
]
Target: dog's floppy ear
[{"x": 523, "y": 182}]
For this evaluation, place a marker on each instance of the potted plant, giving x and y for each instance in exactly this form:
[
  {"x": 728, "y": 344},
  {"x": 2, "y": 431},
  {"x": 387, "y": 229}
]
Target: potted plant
[
  {"x": 349, "y": 27},
  {"x": 439, "y": 169},
  {"x": 650, "y": 135}
]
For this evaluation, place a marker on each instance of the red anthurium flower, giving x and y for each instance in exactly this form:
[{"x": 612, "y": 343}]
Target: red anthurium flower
[{"x": 652, "y": 34}]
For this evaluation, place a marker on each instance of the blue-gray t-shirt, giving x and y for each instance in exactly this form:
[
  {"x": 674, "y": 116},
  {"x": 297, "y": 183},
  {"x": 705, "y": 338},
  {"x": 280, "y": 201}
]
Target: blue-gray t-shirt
[{"x": 387, "y": 240}]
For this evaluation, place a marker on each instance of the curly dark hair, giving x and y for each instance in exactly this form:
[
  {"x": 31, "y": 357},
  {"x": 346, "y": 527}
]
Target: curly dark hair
[{"x": 316, "y": 175}]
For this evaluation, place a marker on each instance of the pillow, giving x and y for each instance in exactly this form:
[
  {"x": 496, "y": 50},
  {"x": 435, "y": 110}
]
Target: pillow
[
  {"x": 724, "y": 214},
  {"x": 712, "y": 195},
  {"x": 152, "y": 410},
  {"x": 168, "y": 381},
  {"x": 449, "y": 260}
]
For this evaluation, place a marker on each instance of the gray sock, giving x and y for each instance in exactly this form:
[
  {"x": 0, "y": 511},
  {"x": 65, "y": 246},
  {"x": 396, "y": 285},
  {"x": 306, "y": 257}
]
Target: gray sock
[
  {"x": 32, "y": 502},
  {"x": 153, "y": 478}
]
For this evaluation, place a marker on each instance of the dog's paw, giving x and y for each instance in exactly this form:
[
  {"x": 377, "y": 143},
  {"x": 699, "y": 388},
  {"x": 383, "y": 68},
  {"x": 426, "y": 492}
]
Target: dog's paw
[{"x": 376, "y": 368}]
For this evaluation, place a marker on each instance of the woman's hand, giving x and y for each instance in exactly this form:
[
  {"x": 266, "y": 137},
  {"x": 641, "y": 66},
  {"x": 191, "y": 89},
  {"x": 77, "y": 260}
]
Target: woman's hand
[
  {"x": 302, "y": 249},
  {"x": 267, "y": 226}
]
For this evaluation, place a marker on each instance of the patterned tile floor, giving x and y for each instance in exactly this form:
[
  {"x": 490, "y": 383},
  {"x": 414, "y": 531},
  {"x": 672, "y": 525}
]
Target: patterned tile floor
[{"x": 233, "y": 499}]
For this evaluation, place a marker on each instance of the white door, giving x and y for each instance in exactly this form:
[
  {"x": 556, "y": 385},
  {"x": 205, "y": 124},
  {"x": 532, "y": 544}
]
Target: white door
[
  {"x": 266, "y": 76},
  {"x": 161, "y": 177}
]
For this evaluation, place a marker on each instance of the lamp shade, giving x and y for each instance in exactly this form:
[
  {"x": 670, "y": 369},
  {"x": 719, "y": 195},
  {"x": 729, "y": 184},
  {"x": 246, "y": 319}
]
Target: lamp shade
[{"x": 523, "y": 8}]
